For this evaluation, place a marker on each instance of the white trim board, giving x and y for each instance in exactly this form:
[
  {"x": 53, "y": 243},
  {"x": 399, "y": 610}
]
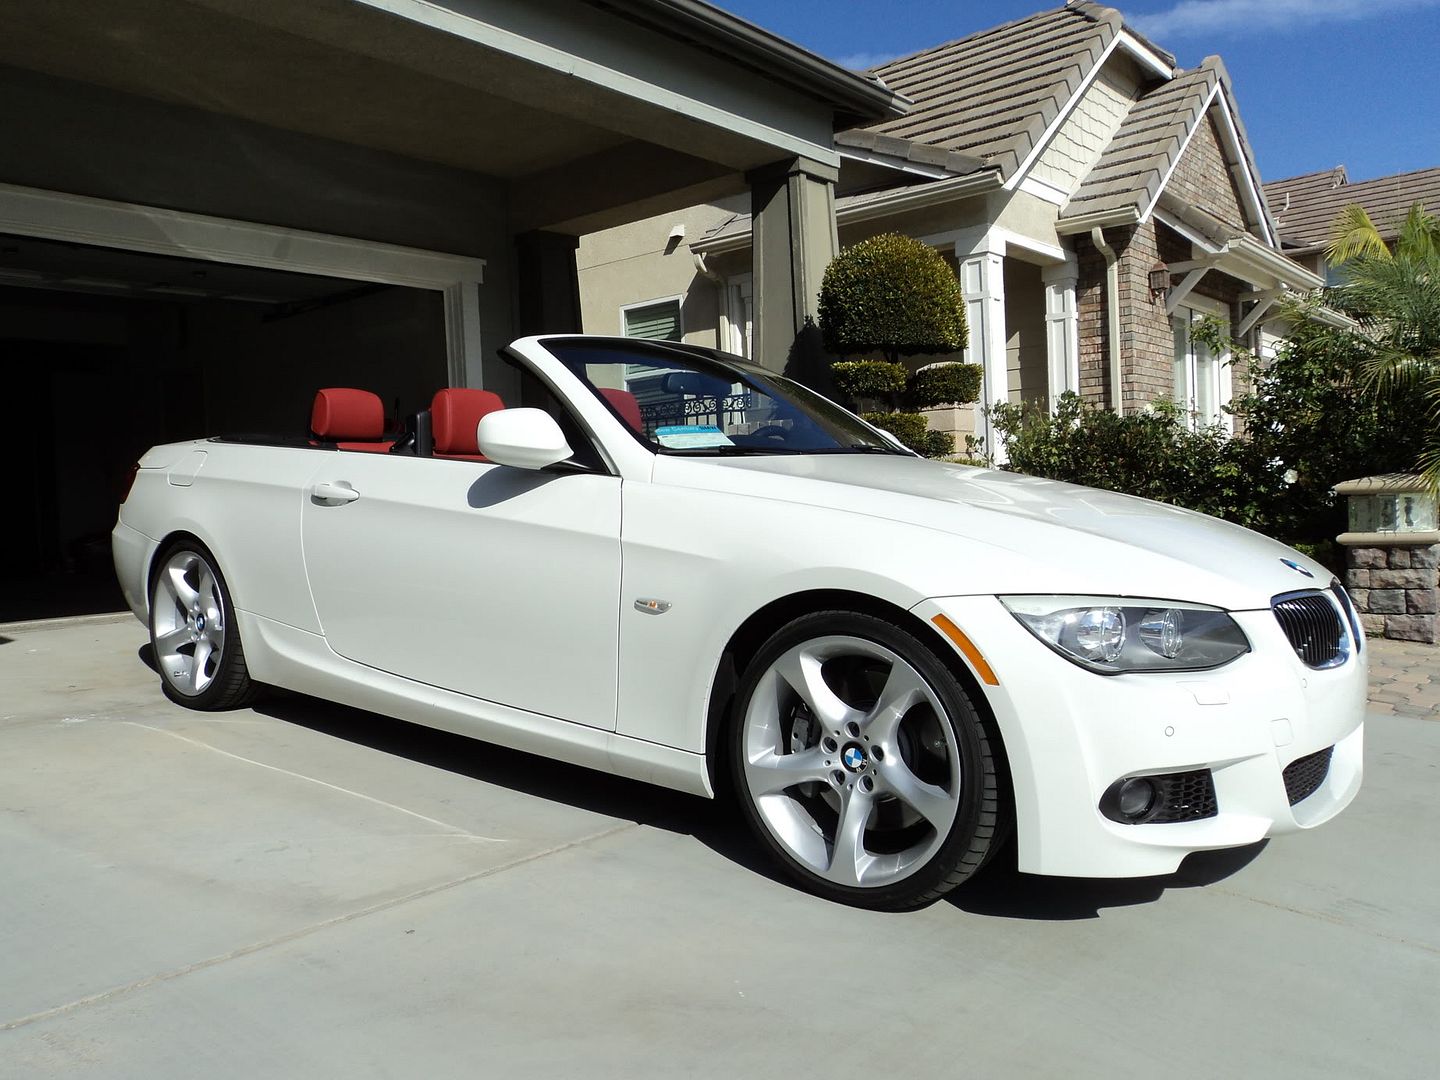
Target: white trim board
[{"x": 80, "y": 219}]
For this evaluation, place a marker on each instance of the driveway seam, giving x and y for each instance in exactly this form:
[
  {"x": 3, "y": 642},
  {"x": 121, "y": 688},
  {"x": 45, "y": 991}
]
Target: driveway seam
[
  {"x": 323, "y": 783},
  {"x": 115, "y": 992}
]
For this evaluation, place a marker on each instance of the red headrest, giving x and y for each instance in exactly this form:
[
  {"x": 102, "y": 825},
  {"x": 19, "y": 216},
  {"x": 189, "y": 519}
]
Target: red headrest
[
  {"x": 624, "y": 403},
  {"x": 344, "y": 413},
  {"x": 454, "y": 414}
]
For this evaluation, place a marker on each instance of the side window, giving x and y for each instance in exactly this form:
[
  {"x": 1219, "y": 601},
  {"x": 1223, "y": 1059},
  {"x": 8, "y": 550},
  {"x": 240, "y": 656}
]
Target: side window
[{"x": 534, "y": 394}]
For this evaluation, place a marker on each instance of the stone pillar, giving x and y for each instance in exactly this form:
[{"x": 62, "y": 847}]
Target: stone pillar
[
  {"x": 982, "y": 281},
  {"x": 547, "y": 283},
  {"x": 1062, "y": 329},
  {"x": 792, "y": 205},
  {"x": 1393, "y": 582}
]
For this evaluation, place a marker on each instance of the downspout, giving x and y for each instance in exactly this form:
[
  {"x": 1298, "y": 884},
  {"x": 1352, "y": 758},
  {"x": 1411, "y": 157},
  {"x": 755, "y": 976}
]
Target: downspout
[
  {"x": 722, "y": 301},
  {"x": 1112, "y": 309}
]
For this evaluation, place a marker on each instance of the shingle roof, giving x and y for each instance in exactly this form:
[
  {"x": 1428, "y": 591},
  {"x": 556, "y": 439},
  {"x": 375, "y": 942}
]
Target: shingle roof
[
  {"x": 1147, "y": 145},
  {"x": 993, "y": 94},
  {"x": 1306, "y": 206}
]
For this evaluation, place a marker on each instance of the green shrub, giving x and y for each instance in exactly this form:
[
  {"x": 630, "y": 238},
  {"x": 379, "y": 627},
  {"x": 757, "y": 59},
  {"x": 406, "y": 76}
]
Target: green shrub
[
  {"x": 944, "y": 384},
  {"x": 869, "y": 378},
  {"x": 894, "y": 295},
  {"x": 912, "y": 430},
  {"x": 1309, "y": 422}
]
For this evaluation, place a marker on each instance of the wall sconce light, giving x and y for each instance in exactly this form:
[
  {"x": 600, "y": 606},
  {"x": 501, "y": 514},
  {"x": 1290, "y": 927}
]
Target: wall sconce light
[{"x": 1159, "y": 281}]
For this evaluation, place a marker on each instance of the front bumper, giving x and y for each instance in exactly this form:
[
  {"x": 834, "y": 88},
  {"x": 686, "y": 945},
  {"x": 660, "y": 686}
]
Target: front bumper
[{"x": 1070, "y": 734}]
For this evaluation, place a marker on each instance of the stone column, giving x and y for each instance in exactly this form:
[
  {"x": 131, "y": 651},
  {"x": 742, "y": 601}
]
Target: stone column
[
  {"x": 792, "y": 205},
  {"x": 1391, "y": 554},
  {"x": 1393, "y": 581}
]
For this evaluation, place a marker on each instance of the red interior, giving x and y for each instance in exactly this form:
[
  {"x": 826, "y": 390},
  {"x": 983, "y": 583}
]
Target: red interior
[
  {"x": 454, "y": 414},
  {"x": 624, "y": 403},
  {"x": 351, "y": 419}
]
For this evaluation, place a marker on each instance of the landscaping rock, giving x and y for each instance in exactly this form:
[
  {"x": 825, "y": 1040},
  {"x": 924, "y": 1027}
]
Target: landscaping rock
[{"x": 1411, "y": 628}]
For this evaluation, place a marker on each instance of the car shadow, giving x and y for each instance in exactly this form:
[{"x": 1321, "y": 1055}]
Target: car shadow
[
  {"x": 1002, "y": 891},
  {"x": 712, "y": 822}
]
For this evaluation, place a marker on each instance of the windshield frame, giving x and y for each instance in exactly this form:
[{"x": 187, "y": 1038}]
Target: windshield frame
[{"x": 821, "y": 412}]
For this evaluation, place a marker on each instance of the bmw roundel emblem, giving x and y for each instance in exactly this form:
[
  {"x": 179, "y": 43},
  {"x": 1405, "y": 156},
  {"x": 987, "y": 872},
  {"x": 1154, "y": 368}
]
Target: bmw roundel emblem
[
  {"x": 854, "y": 758},
  {"x": 1297, "y": 567}
]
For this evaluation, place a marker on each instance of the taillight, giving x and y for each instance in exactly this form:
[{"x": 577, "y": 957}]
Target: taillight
[{"x": 129, "y": 482}]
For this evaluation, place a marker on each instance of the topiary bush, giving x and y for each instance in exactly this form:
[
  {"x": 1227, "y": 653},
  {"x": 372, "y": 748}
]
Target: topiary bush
[
  {"x": 878, "y": 379},
  {"x": 944, "y": 384},
  {"x": 894, "y": 295},
  {"x": 891, "y": 294},
  {"x": 911, "y": 429}
]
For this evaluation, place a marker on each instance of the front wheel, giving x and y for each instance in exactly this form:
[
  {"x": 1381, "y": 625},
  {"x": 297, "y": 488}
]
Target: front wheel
[
  {"x": 861, "y": 763},
  {"x": 192, "y": 632}
]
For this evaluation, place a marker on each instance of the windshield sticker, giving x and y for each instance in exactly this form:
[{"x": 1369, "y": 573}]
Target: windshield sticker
[{"x": 691, "y": 436}]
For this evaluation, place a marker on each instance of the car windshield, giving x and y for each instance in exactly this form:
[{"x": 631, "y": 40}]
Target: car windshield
[{"x": 686, "y": 401}]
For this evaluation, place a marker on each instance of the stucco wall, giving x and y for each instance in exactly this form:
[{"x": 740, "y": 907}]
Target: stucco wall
[
  {"x": 1025, "y": 358},
  {"x": 637, "y": 263}
]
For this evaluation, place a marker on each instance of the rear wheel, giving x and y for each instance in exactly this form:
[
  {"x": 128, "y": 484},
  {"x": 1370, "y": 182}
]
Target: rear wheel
[
  {"x": 861, "y": 763},
  {"x": 196, "y": 644}
]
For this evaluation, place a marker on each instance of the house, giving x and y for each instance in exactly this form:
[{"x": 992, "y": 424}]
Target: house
[
  {"x": 211, "y": 208},
  {"x": 1305, "y": 207},
  {"x": 1096, "y": 202}
]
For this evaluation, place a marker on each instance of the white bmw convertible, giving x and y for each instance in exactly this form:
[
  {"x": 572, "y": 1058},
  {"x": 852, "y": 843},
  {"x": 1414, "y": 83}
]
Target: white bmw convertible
[{"x": 670, "y": 564}]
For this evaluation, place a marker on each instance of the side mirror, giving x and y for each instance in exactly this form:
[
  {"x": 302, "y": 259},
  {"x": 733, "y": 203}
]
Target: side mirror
[{"x": 523, "y": 438}]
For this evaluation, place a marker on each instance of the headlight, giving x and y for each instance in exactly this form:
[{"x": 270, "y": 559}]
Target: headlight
[{"x": 1115, "y": 635}]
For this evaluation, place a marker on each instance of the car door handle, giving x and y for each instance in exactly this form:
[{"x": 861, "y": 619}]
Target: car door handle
[{"x": 334, "y": 492}]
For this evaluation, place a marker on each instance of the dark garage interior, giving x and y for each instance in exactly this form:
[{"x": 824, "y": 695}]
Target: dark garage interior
[{"x": 104, "y": 353}]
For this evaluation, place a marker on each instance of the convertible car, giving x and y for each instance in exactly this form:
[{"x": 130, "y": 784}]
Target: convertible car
[{"x": 664, "y": 562}]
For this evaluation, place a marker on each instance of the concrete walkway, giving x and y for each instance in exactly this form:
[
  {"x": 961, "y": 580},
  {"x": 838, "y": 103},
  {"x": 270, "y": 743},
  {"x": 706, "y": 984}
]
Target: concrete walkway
[
  {"x": 303, "y": 890},
  {"x": 1404, "y": 679}
]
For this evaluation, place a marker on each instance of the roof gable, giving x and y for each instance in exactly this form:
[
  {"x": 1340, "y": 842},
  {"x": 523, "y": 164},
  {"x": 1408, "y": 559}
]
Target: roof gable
[
  {"x": 1141, "y": 160},
  {"x": 1306, "y": 206},
  {"x": 995, "y": 94}
]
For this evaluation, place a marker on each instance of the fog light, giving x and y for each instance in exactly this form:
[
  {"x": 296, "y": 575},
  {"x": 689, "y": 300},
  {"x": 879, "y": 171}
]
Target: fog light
[{"x": 1136, "y": 798}]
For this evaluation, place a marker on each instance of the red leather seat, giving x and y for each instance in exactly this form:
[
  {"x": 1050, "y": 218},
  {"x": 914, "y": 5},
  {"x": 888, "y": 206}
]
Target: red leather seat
[
  {"x": 454, "y": 414},
  {"x": 350, "y": 419},
  {"x": 625, "y": 404}
]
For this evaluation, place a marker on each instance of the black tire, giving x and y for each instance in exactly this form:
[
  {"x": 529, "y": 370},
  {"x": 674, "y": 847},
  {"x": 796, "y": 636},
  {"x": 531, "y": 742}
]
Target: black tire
[
  {"x": 224, "y": 681},
  {"x": 964, "y": 769}
]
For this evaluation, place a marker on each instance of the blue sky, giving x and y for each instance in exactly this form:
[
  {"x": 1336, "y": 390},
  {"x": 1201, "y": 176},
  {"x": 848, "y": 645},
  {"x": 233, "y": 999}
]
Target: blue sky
[{"x": 1319, "y": 82}]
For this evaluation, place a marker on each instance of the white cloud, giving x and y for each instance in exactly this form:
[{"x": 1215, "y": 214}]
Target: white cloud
[
  {"x": 1244, "y": 16},
  {"x": 862, "y": 60}
]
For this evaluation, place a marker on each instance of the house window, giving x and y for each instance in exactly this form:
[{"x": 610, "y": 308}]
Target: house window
[
  {"x": 655, "y": 321},
  {"x": 1202, "y": 379}
]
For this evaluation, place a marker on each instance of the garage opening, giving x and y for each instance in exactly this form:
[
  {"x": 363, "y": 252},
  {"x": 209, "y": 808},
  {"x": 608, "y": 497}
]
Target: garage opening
[{"x": 106, "y": 352}]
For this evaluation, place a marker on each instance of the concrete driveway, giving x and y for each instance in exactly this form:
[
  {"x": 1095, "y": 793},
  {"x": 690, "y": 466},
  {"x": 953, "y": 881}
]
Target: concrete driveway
[{"x": 308, "y": 891}]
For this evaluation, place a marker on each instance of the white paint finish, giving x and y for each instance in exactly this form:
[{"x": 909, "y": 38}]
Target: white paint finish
[
  {"x": 1077, "y": 145},
  {"x": 417, "y": 577},
  {"x": 586, "y": 66},
  {"x": 105, "y": 223},
  {"x": 982, "y": 283},
  {"x": 499, "y": 604},
  {"x": 1062, "y": 329}
]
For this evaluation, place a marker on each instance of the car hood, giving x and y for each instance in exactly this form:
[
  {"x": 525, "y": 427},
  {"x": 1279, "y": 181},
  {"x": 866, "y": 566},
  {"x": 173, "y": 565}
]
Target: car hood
[{"x": 1045, "y": 535}]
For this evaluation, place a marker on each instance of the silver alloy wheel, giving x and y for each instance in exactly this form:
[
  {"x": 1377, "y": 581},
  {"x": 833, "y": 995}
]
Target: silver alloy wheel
[
  {"x": 861, "y": 785},
  {"x": 187, "y": 623}
]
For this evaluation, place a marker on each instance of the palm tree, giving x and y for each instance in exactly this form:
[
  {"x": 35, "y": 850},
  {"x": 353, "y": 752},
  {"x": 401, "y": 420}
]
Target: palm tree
[{"x": 1393, "y": 292}]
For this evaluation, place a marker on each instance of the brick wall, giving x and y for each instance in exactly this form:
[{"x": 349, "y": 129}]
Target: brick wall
[{"x": 1202, "y": 178}]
